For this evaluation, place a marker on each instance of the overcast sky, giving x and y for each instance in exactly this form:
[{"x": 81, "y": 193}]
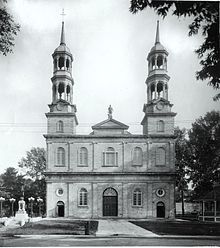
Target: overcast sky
[{"x": 109, "y": 46}]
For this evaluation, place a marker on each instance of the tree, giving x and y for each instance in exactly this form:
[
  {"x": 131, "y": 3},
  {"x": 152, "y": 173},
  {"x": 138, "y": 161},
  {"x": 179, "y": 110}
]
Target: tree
[
  {"x": 34, "y": 163},
  {"x": 183, "y": 159},
  {"x": 206, "y": 20},
  {"x": 8, "y": 29},
  {"x": 204, "y": 138}
]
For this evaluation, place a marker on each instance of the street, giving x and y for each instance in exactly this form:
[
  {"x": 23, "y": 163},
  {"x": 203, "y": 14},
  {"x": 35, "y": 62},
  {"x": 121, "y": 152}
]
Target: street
[{"x": 113, "y": 241}]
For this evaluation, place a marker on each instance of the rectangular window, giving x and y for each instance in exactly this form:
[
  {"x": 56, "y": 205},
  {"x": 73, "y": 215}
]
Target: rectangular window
[{"x": 110, "y": 158}]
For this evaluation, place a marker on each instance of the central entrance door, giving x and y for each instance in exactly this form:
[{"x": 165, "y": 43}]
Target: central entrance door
[
  {"x": 160, "y": 210},
  {"x": 60, "y": 209},
  {"x": 110, "y": 202}
]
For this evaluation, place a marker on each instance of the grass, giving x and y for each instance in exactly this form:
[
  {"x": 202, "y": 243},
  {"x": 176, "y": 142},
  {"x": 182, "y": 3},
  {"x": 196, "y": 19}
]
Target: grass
[
  {"x": 180, "y": 227},
  {"x": 51, "y": 227}
]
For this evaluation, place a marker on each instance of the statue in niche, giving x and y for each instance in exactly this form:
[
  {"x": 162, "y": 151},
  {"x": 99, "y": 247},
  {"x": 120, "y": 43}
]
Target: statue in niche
[{"x": 110, "y": 110}]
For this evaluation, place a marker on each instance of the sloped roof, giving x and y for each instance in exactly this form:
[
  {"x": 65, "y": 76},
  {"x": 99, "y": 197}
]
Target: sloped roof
[{"x": 110, "y": 124}]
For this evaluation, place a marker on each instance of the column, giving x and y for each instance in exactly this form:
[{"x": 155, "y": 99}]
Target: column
[
  {"x": 203, "y": 210},
  {"x": 215, "y": 209},
  {"x": 156, "y": 67},
  {"x": 65, "y": 92},
  {"x": 57, "y": 93},
  {"x": 156, "y": 89},
  {"x": 68, "y": 156},
  {"x": 163, "y": 90}
]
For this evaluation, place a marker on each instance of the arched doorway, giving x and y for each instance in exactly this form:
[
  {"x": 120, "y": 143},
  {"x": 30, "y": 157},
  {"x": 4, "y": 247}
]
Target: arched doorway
[
  {"x": 110, "y": 202},
  {"x": 60, "y": 209},
  {"x": 160, "y": 210}
]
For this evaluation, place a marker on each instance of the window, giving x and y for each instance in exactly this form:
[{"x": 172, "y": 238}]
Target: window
[
  {"x": 137, "y": 197},
  {"x": 160, "y": 156},
  {"x": 110, "y": 157},
  {"x": 160, "y": 126},
  {"x": 137, "y": 156},
  {"x": 83, "y": 197},
  {"x": 83, "y": 156},
  {"x": 60, "y": 127},
  {"x": 60, "y": 156}
]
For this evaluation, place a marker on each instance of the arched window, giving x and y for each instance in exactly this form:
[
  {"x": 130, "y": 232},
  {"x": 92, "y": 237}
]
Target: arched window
[
  {"x": 61, "y": 90},
  {"x": 159, "y": 62},
  {"x": 61, "y": 63},
  {"x": 137, "y": 156},
  {"x": 68, "y": 92},
  {"x": 160, "y": 156},
  {"x": 67, "y": 64},
  {"x": 137, "y": 197},
  {"x": 83, "y": 197},
  {"x": 60, "y": 156},
  {"x": 60, "y": 127},
  {"x": 160, "y": 90},
  {"x": 110, "y": 157},
  {"x": 160, "y": 126},
  {"x": 83, "y": 156}
]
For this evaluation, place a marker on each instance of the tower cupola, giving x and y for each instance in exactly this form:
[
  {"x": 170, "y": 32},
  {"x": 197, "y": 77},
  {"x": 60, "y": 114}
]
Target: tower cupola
[
  {"x": 62, "y": 71},
  {"x": 157, "y": 70}
]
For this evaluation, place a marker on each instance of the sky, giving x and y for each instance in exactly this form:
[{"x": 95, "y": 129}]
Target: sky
[{"x": 110, "y": 47}]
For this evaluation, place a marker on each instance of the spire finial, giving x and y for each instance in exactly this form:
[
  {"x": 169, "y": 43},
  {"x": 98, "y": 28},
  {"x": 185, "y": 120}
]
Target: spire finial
[
  {"x": 157, "y": 40},
  {"x": 110, "y": 110},
  {"x": 62, "y": 39}
]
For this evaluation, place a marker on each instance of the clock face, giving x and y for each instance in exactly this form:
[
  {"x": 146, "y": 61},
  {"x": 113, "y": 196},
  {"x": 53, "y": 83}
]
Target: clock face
[
  {"x": 160, "y": 106},
  {"x": 59, "y": 107}
]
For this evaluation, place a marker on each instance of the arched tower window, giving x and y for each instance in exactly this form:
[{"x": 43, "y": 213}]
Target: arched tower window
[
  {"x": 110, "y": 157},
  {"x": 137, "y": 156},
  {"x": 153, "y": 63},
  {"x": 60, "y": 156},
  {"x": 60, "y": 127},
  {"x": 68, "y": 92},
  {"x": 160, "y": 62},
  {"x": 137, "y": 197},
  {"x": 160, "y": 126},
  {"x": 83, "y": 156},
  {"x": 160, "y": 90},
  {"x": 160, "y": 156},
  {"x": 153, "y": 92},
  {"x": 61, "y": 90},
  {"x": 67, "y": 64},
  {"x": 83, "y": 197},
  {"x": 61, "y": 63}
]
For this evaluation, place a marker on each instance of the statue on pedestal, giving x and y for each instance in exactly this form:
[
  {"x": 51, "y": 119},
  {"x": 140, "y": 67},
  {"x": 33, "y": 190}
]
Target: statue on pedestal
[{"x": 21, "y": 205}]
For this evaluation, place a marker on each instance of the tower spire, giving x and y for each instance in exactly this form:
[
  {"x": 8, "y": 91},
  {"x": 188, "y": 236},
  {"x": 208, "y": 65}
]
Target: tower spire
[
  {"x": 157, "y": 40},
  {"x": 62, "y": 39}
]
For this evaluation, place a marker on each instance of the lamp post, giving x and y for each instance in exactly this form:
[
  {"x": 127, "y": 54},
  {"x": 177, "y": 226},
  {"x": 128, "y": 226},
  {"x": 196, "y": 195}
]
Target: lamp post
[
  {"x": 12, "y": 201},
  {"x": 2, "y": 199},
  {"x": 40, "y": 201},
  {"x": 31, "y": 200}
]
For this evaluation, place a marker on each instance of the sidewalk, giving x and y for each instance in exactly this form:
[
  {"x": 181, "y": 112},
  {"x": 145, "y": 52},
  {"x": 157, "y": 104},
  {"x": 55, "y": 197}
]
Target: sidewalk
[{"x": 121, "y": 228}]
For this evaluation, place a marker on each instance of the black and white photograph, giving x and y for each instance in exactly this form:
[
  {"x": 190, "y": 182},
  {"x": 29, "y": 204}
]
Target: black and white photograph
[{"x": 110, "y": 123}]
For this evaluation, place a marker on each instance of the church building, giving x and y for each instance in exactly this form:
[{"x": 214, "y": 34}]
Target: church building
[{"x": 110, "y": 173}]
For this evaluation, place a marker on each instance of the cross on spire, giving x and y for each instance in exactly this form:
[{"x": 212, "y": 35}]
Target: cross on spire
[
  {"x": 62, "y": 39},
  {"x": 63, "y": 15}
]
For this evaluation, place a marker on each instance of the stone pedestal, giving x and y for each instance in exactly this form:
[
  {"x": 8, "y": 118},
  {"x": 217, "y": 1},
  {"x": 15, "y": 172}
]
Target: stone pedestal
[{"x": 21, "y": 215}]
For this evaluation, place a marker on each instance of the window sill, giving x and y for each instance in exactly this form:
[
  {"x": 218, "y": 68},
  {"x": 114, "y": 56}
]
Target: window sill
[
  {"x": 109, "y": 165},
  {"x": 136, "y": 206},
  {"x": 82, "y": 165},
  {"x": 138, "y": 165},
  {"x": 83, "y": 206},
  {"x": 59, "y": 166}
]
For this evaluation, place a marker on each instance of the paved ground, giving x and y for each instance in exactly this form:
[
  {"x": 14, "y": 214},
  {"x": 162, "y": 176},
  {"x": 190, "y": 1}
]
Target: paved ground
[
  {"x": 121, "y": 228},
  {"x": 65, "y": 241}
]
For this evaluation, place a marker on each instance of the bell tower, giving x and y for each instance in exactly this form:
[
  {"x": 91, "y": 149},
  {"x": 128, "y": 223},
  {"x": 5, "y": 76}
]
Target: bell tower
[
  {"x": 158, "y": 119},
  {"x": 62, "y": 116}
]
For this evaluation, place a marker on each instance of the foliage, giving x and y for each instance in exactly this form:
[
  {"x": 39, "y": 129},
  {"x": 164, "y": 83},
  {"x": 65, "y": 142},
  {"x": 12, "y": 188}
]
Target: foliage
[
  {"x": 206, "y": 20},
  {"x": 183, "y": 158},
  {"x": 32, "y": 184},
  {"x": 205, "y": 146},
  {"x": 34, "y": 163},
  {"x": 8, "y": 29}
]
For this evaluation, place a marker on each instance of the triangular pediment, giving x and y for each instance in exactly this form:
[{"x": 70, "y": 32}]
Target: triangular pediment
[{"x": 110, "y": 124}]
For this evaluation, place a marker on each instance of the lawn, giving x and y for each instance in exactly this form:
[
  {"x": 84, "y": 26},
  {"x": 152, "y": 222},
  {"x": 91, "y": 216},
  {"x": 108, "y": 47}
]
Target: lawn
[
  {"x": 180, "y": 227},
  {"x": 50, "y": 227}
]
